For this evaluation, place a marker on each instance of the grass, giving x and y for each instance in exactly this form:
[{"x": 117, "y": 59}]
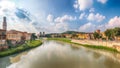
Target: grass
[
  {"x": 85, "y": 45},
  {"x": 21, "y": 48},
  {"x": 60, "y": 39}
]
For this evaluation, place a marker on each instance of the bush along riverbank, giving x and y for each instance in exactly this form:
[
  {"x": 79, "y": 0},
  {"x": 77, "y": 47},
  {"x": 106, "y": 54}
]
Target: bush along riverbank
[
  {"x": 28, "y": 45},
  {"x": 85, "y": 45}
]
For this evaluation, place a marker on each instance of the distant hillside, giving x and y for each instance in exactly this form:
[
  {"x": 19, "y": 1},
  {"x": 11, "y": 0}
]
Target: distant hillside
[{"x": 71, "y": 32}]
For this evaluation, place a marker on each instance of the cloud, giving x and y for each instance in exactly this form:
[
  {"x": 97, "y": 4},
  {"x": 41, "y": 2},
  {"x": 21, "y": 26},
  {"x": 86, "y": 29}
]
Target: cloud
[
  {"x": 83, "y": 4},
  {"x": 76, "y": 5},
  {"x": 91, "y": 10},
  {"x": 113, "y": 22},
  {"x": 60, "y": 27},
  {"x": 59, "y": 24},
  {"x": 50, "y": 18},
  {"x": 82, "y": 15},
  {"x": 102, "y": 1},
  {"x": 64, "y": 18},
  {"x": 5, "y": 4},
  {"x": 88, "y": 27},
  {"x": 95, "y": 17},
  {"x": 17, "y": 18}
]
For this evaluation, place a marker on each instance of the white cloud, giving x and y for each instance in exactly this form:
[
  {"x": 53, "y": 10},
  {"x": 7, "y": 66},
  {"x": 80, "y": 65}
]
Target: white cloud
[
  {"x": 5, "y": 4},
  {"x": 91, "y": 10},
  {"x": 95, "y": 17},
  {"x": 83, "y": 4},
  {"x": 59, "y": 24},
  {"x": 37, "y": 23},
  {"x": 50, "y": 18},
  {"x": 64, "y": 18},
  {"x": 9, "y": 9},
  {"x": 114, "y": 22},
  {"x": 82, "y": 15},
  {"x": 88, "y": 27},
  {"x": 76, "y": 5},
  {"x": 102, "y": 1},
  {"x": 56, "y": 28}
]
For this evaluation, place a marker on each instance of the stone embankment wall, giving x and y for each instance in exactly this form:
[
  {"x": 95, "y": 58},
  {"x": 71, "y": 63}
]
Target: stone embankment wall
[{"x": 112, "y": 44}]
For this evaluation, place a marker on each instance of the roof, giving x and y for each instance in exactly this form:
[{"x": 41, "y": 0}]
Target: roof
[
  {"x": 16, "y": 32},
  {"x": 2, "y": 30},
  {"x": 12, "y": 32}
]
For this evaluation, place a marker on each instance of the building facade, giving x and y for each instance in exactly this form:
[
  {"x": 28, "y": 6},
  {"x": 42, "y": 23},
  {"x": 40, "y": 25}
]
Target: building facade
[
  {"x": 13, "y": 35},
  {"x": 3, "y": 32},
  {"x": 17, "y": 36}
]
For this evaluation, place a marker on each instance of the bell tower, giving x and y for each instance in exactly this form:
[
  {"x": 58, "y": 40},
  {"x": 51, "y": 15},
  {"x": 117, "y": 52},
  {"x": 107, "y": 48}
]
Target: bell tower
[{"x": 4, "y": 23}]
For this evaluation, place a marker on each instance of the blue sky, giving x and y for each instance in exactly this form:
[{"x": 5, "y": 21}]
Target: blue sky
[{"x": 62, "y": 15}]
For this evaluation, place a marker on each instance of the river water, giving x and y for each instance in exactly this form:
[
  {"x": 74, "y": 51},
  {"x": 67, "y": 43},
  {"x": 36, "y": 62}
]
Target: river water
[{"x": 61, "y": 55}]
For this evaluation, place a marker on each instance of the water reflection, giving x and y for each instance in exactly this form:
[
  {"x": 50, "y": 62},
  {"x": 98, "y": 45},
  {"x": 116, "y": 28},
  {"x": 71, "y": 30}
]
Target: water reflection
[{"x": 56, "y": 55}]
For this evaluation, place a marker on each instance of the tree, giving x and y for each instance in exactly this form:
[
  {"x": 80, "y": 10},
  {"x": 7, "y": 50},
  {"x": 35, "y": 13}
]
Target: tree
[
  {"x": 96, "y": 35},
  {"x": 9, "y": 43},
  {"x": 117, "y": 31},
  {"x": 109, "y": 33},
  {"x": 33, "y": 36}
]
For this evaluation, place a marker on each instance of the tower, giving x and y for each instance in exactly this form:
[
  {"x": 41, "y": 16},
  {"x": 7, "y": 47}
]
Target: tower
[
  {"x": 43, "y": 33},
  {"x": 4, "y": 23}
]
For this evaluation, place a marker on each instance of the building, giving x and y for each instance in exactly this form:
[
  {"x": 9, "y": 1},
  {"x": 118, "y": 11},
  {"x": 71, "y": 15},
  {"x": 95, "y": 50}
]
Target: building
[
  {"x": 12, "y": 35},
  {"x": 103, "y": 35},
  {"x": 90, "y": 36},
  {"x": 2, "y": 36},
  {"x": 3, "y": 32},
  {"x": 3, "y": 44},
  {"x": 27, "y": 35},
  {"x": 41, "y": 34},
  {"x": 82, "y": 36},
  {"x": 17, "y": 36},
  {"x": 67, "y": 35},
  {"x": 85, "y": 35},
  {"x": 97, "y": 31}
]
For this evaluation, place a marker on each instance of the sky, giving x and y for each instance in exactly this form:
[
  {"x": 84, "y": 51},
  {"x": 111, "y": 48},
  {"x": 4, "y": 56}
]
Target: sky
[{"x": 56, "y": 16}]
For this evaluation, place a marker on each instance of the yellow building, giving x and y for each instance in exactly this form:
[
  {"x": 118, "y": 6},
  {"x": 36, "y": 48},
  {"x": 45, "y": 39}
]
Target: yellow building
[
  {"x": 68, "y": 35},
  {"x": 117, "y": 38},
  {"x": 103, "y": 35},
  {"x": 82, "y": 36},
  {"x": 85, "y": 36}
]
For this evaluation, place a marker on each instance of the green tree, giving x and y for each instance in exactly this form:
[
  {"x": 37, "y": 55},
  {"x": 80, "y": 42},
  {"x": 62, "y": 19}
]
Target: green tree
[
  {"x": 96, "y": 35},
  {"x": 9, "y": 43},
  {"x": 117, "y": 31},
  {"x": 109, "y": 33},
  {"x": 33, "y": 36}
]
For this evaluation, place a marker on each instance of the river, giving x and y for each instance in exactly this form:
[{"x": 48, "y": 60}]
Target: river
[{"x": 52, "y": 54}]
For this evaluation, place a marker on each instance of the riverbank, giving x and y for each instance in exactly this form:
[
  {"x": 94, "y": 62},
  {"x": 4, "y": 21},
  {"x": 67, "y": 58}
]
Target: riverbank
[
  {"x": 86, "y": 45},
  {"x": 17, "y": 58},
  {"x": 28, "y": 45}
]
